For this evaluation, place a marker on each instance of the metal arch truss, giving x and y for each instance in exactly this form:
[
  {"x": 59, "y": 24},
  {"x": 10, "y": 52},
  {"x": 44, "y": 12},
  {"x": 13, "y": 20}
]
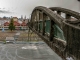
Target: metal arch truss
[{"x": 69, "y": 24}]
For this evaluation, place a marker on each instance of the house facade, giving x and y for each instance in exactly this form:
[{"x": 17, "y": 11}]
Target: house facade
[{"x": 19, "y": 24}]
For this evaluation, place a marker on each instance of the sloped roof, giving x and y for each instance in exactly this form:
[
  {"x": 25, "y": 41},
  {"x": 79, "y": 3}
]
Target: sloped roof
[
  {"x": 6, "y": 23},
  {"x": 23, "y": 24},
  {"x": 16, "y": 23}
]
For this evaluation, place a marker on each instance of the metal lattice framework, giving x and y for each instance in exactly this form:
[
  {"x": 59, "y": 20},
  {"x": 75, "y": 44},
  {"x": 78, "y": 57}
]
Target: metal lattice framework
[{"x": 69, "y": 25}]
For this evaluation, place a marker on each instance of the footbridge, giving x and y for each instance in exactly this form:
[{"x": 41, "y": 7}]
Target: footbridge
[{"x": 59, "y": 28}]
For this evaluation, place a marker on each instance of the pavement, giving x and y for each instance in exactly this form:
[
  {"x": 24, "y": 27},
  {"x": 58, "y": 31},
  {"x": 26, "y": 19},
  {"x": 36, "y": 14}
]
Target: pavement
[{"x": 28, "y": 51}]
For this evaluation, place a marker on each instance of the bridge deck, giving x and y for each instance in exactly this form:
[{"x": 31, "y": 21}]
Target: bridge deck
[{"x": 28, "y": 51}]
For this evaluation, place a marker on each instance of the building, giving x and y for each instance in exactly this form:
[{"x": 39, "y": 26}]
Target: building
[
  {"x": 15, "y": 18},
  {"x": 19, "y": 24},
  {"x": 4, "y": 21}
]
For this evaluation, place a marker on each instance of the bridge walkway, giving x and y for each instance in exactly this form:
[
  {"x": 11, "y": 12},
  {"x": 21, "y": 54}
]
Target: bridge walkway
[{"x": 28, "y": 51}]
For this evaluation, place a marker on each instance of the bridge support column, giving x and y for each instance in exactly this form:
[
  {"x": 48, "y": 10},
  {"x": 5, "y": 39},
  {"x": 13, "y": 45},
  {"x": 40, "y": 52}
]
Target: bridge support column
[
  {"x": 51, "y": 31},
  {"x": 32, "y": 20},
  {"x": 44, "y": 19},
  {"x": 41, "y": 19},
  {"x": 68, "y": 17},
  {"x": 59, "y": 12},
  {"x": 37, "y": 20}
]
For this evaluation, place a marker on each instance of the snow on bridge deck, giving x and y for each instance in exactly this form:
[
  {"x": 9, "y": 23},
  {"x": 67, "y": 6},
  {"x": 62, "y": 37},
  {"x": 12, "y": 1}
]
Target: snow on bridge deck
[{"x": 28, "y": 51}]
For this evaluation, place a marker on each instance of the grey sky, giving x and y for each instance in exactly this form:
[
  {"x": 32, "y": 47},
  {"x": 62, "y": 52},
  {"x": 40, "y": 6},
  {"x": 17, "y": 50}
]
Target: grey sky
[{"x": 25, "y": 7}]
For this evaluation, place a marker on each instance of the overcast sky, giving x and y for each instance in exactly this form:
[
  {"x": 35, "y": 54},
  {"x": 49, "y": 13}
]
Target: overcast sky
[{"x": 25, "y": 7}]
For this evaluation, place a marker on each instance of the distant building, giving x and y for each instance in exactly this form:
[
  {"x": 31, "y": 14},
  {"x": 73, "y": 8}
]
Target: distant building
[
  {"x": 15, "y": 18},
  {"x": 19, "y": 24},
  {"x": 21, "y": 17},
  {"x": 23, "y": 23},
  {"x": 4, "y": 21},
  {"x": 6, "y": 24},
  {"x": 25, "y": 17}
]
